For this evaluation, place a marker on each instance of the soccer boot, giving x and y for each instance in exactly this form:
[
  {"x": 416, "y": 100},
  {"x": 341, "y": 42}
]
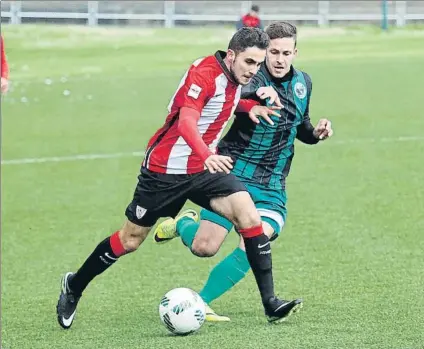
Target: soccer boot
[
  {"x": 167, "y": 230},
  {"x": 277, "y": 310},
  {"x": 67, "y": 303},
  {"x": 211, "y": 316}
]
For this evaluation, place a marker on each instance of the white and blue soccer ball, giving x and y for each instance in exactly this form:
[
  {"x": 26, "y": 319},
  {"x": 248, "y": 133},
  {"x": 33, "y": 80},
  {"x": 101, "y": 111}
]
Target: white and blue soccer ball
[{"x": 182, "y": 311}]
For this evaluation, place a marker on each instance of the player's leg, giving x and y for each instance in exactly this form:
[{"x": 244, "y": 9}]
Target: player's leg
[
  {"x": 107, "y": 252},
  {"x": 142, "y": 214},
  {"x": 271, "y": 205},
  {"x": 203, "y": 238},
  {"x": 125, "y": 240},
  {"x": 228, "y": 197},
  {"x": 226, "y": 274},
  {"x": 208, "y": 239},
  {"x": 230, "y": 271},
  {"x": 238, "y": 207}
]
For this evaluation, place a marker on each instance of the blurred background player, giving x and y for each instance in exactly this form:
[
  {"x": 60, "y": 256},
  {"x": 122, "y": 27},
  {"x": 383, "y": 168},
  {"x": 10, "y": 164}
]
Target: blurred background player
[
  {"x": 4, "y": 68},
  {"x": 250, "y": 19},
  {"x": 262, "y": 156}
]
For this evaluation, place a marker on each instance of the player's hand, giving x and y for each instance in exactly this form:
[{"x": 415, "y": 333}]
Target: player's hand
[
  {"x": 264, "y": 112},
  {"x": 219, "y": 163},
  {"x": 4, "y": 85},
  {"x": 323, "y": 129},
  {"x": 269, "y": 92}
]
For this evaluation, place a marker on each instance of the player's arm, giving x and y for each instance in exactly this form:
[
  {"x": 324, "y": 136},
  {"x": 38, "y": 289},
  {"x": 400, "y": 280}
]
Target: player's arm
[
  {"x": 306, "y": 132},
  {"x": 249, "y": 91},
  {"x": 259, "y": 90},
  {"x": 254, "y": 110},
  {"x": 254, "y": 100},
  {"x": 193, "y": 97},
  {"x": 188, "y": 129},
  {"x": 191, "y": 100},
  {"x": 309, "y": 134}
]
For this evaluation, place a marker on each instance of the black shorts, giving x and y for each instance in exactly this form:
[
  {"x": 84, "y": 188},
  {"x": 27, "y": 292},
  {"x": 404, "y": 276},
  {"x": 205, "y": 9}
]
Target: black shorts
[{"x": 164, "y": 195}]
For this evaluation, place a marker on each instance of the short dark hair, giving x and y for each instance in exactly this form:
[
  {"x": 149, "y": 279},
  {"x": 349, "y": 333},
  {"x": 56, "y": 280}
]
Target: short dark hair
[
  {"x": 248, "y": 37},
  {"x": 255, "y": 8},
  {"x": 280, "y": 30}
]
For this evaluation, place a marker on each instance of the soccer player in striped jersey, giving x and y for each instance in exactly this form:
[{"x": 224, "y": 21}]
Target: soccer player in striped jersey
[
  {"x": 262, "y": 156},
  {"x": 181, "y": 164}
]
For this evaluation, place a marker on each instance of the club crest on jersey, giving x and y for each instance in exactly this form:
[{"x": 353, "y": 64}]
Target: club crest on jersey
[
  {"x": 300, "y": 90},
  {"x": 194, "y": 91},
  {"x": 140, "y": 212}
]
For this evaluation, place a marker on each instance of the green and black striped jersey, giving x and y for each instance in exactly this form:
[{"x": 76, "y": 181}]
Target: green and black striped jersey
[{"x": 263, "y": 153}]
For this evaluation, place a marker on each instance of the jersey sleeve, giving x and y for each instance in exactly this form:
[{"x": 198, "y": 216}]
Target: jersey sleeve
[
  {"x": 305, "y": 131},
  {"x": 196, "y": 90}
]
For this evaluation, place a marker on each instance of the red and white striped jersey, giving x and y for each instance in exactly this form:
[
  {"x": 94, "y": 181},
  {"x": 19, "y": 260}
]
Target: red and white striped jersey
[{"x": 208, "y": 88}]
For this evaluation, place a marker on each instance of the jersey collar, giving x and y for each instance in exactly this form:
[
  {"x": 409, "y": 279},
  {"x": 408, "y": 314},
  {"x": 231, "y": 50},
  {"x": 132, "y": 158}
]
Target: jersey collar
[
  {"x": 220, "y": 55},
  {"x": 289, "y": 76}
]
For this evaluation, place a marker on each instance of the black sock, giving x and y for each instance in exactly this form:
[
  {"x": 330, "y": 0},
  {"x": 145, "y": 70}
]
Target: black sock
[
  {"x": 258, "y": 250},
  {"x": 100, "y": 259}
]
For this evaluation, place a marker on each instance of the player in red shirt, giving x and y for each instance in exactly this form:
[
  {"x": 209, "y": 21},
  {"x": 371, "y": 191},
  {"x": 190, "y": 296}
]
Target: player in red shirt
[
  {"x": 4, "y": 69},
  {"x": 250, "y": 19},
  {"x": 181, "y": 164}
]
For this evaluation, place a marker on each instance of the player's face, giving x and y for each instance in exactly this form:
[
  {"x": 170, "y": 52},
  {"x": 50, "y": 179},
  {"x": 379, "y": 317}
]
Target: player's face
[
  {"x": 280, "y": 55},
  {"x": 245, "y": 65}
]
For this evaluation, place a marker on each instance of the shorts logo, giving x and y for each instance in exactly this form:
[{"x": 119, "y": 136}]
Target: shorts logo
[
  {"x": 194, "y": 91},
  {"x": 140, "y": 212},
  {"x": 300, "y": 90}
]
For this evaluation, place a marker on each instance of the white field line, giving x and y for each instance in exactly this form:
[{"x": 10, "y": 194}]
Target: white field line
[
  {"x": 378, "y": 140},
  {"x": 80, "y": 157}
]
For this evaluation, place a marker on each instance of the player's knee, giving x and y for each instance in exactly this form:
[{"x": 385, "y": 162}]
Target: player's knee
[
  {"x": 243, "y": 211},
  {"x": 247, "y": 219},
  {"x": 132, "y": 243},
  {"x": 132, "y": 236},
  {"x": 203, "y": 248}
]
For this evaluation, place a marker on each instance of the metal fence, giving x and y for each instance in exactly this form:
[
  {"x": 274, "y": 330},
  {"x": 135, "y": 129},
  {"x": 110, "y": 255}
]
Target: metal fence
[{"x": 172, "y": 13}]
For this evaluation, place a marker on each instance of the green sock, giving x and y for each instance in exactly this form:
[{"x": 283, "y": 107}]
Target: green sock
[
  {"x": 187, "y": 229},
  {"x": 225, "y": 275}
]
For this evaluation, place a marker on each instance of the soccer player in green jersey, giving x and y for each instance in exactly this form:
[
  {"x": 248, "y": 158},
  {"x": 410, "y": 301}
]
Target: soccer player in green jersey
[{"x": 262, "y": 156}]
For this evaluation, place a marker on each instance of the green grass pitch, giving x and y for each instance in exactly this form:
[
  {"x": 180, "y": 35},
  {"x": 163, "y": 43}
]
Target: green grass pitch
[{"x": 353, "y": 246}]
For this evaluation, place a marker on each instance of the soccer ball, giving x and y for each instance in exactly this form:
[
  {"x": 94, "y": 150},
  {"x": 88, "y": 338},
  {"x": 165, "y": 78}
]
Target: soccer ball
[{"x": 182, "y": 311}]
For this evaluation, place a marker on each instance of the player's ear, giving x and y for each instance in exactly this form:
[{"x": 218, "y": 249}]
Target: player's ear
[{"x": 231, "y": 56}]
